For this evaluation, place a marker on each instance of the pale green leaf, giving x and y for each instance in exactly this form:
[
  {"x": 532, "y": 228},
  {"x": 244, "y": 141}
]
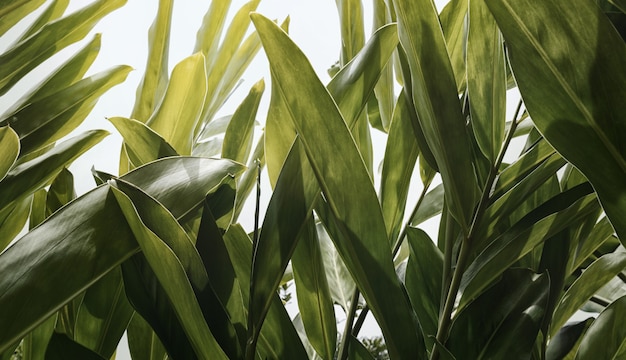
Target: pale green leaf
[
  {"x": 177, "y": 115},
  {"x": 54, "y": 11},
  {"x": 240, "y": 131},
  {"x": 143, "y": 144},
  {"x": 154, "y": 81},
  {"x": 53, "y": 37}
]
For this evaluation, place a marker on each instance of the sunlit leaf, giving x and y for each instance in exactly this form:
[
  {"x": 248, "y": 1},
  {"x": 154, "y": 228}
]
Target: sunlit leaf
[
  {"x": 566, "y": 57},
  {"x": 240, "y": 131},
  {"x": 10, "y": 149},
  {"x": 143, "y": 144}
]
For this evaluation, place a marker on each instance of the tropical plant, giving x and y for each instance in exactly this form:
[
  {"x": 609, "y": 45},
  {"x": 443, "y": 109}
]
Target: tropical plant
[{"x": 522, "y": 246}]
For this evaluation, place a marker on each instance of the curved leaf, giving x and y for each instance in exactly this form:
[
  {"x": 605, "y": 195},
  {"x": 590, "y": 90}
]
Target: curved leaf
[
  {"x": 53, "y": 37},
  {"x": 143, "y": 144},
  {"x": 567, "y": 61},
  {"x": 9, "y": 148},
  {"x": 179, "y": 112},
  {"x": 437, "y": 104},
  {"x": 15, "y": 10},
  {"x": 348, "y": 189},
  {"x": 240, "y": 131},
  {"x": 54, "y": 11},
  {"x": 606, "y": 336},
  {"x": 566, "y": 341},
  {"x": 26, "y": 178}
]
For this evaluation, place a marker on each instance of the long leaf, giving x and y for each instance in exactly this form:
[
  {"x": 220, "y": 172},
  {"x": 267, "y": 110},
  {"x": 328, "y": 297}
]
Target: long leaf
[
  {"x": 240, "y": 131},
  {"x": 26, "y": 178},
  {"x": 486, "y": 79},
  {"x": 566, "y": 57},
  {"x": 54, "y": 11},
  {"x": 143, "y": 344},
  {"x": 53, "y": 37},
  {"x": 454, "y": 23},
  {"x": 605, "y": 337},
  {"x": 14, "y": 11},
  {"x": 348, "y": 189},
  {"x": 143, "y": 144},
  {"x": 437, "y": 104},
  {"x": 50, "y": 118},
  {"x": 10, "y": 148},
  {"x": 179, "y": 112},
  {"x": 154, "y": 81},
  {"x": 592, "y": 279}
]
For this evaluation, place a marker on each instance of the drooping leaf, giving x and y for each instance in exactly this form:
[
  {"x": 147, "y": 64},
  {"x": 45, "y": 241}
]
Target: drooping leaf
[
  {"x": 24, "y": 179},
  {"x": 53, "y": 37},
  {"x": 143, "y": 144},
  {"x": 348, "y": 189},
  {"x": 605, "y": 337},
  {"x": 50, "y": 118},
  {"x": 154, "y": 81},
  {"x": 566, "y": 57},
  {"x": 179, "y": 112},
  {"x": 504, "y": 321},
  {"x": 172, "y": 275},
  {"x": 437, "y": 104}
]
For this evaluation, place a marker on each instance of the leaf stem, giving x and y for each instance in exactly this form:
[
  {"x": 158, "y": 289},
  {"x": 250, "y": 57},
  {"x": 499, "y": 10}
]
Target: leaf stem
[
  {"x": 347, "y": 330},
  {"x": 445, "y": 320}
]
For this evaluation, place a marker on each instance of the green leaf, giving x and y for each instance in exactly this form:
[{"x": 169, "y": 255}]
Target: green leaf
[
  {"x": 424, "y": 272},
  {"x": 61, "y": 191},
  {"x": 432, "y": 205},
  {"x": 339, "y": 280},
  {"x": 143, "y": 144},
  {"x": 172, "y": 276},
  {"x": 601, "y": 232},
  {"x": 95, "y": 220},
  {"x": 62, "y": 347},
  {"x": 28, "y": 177},
  {"x": 454, "y": 23},
  {"x": 598, "y": 274},
  {"x": 352, "y": 31},
  {"x": 240, "y": 131},
  {"x": 314, "y": 300},
  {"x": 249, "y": 177},
  {"x": 152, "y": 86},
  {"x": 348, "y": 189},
  {"x": 143, "y": 344},
  {"x": 278, "y": 338},
  {"x": 486, "y": 79},
  {"x": 566, "y": 57},
  {"x": 103, "y": 315},
  {"x": 179, "y": 112},
  {"x": 53, "y": 37},
  {"x": 65, "y": 75},
  {"x": 12, "y": 220},
  {"x": 10, "y": 149},
  {"x": 539, "y": 225},
  {"x": 15, "y": 10},
  {"x": 285, "y": 222},
  {"x": 54, "y": 11},
  {"x": 504, "y": 321},
  {"x": 50, "y": 118},
  {"x": 567, "y": 339},
  {"x": 605, "y": 337},
  {"x": 437, "y": 104},
  {"x": 34, "y": 345},
  {"x": 400, "y": 157},
  {"x": 209, "y": 34}
]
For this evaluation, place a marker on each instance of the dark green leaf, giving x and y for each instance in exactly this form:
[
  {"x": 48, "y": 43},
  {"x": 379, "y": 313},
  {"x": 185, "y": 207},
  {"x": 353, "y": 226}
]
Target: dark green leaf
[
  {"x": 566, "y": 340},
  {"x": 62, "y": 347},
  {"x": 605, "y": 337}
]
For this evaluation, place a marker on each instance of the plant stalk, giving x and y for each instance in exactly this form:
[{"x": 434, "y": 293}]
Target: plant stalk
[
  {"x": 445, "y": 321},
  {"x": 347, "y": 330}
]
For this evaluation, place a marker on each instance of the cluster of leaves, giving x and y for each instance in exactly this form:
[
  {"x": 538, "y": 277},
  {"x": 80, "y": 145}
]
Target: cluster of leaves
[{"x": 521, "y": 246}]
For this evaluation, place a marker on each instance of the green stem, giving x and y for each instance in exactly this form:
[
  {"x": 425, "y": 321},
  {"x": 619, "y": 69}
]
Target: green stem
[
  {"x": 347, "y": 330},
  {"x": 445, "y": 321}
]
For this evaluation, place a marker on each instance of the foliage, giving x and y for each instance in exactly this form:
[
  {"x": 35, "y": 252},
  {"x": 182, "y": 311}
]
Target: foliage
[{"x": 158, "y": 251}]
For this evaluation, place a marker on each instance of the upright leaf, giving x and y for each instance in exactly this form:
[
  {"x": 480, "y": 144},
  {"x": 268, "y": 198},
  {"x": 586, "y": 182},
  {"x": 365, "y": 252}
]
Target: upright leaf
[
  {"x": 143, "y": 144},
  {"x": 348, "y": 189},
  {"x": 567, "y": 61},
  {"x": 437, "y": 104},
  {"x": 605, "y": 337},
  {"x": 10, "y": 148}
]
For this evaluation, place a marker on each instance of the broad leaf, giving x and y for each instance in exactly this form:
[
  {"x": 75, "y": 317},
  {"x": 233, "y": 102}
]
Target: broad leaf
[
  {"x": 566, "y": 341},
  {"x": 143, "y": 145},
  {"x": 606, "y": 336},
  {"x": 143, "y": 344},
  {"x": 179, "y": 112},
  {"x": 567, "y": 61}
]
